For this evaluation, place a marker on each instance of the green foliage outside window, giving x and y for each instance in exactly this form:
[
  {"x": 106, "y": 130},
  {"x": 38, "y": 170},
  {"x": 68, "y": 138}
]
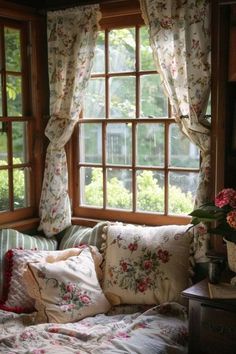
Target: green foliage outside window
[
  {"x": 19, "y": 186},
  {"x": 150, "y": 194}
]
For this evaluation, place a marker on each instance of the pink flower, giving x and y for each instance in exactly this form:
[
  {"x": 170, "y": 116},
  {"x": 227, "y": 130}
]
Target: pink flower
[
  {"x": 124, "y": 266},
  {"x": 163, "y": 255},
  {"x": 143, "y": 285},
  {"x": 231, "y": 219},
  {"x": 133, "y": 246},
  {"x": 70, "y": 287},
  {"x": 147, "y": 264},
  {"x": 85, "y": 299},
  {"x": 122, "y": 335},
  {"x": 225, "y": 197},
  {"x": 202, "y": 229},
  {"x": 66, "y": 297},
  {"x": 167, "y": 23}
]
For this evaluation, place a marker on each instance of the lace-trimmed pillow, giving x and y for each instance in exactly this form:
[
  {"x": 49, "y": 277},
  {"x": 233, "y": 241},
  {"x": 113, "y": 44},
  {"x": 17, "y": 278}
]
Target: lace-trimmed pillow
[
  {"x": 146, "y": 265},
  {"x": 10, "y": 238},
  {"x": 66, "y": 290},
  {"x": 15, "y": 297}
]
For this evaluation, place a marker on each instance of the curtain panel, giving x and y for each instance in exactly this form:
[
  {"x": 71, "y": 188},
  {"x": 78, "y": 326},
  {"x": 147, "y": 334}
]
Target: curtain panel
[
  {"x": 72, "y": 37},
  {"x": 180, "y": 37}
]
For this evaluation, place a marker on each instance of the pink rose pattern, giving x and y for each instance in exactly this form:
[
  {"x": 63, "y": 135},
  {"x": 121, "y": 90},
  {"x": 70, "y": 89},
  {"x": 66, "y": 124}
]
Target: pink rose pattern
[
  {"x": 72, "y": 297},
  {"x": 164, "y": 323},
  {"x": 142, "y": 271}
]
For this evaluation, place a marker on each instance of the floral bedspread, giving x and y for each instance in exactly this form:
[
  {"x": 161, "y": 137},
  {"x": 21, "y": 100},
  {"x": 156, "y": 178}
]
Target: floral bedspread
[{"x": 161, "y": 329}]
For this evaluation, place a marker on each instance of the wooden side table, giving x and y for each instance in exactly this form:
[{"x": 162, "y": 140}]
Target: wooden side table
[{"x": 212, "y": 322}]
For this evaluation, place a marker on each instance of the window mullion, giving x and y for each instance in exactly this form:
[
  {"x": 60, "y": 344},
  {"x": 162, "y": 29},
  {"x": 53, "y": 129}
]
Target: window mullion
[
  {"x": 10, "y": 162},
  {"x": 104, "y": 124},
  {"x": 134, "y": 182},
  {"x": 166, "y": 195}
]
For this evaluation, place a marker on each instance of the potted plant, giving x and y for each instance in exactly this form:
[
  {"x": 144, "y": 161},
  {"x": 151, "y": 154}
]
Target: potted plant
[{"x": 221, "y": 211}]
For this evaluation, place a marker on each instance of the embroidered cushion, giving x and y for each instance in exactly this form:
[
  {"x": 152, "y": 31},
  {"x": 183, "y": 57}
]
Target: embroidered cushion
[
  {"x": 76, "y": 235},
  {"x": 146, "y": 265},
  {"x": 15, "y": 297},
  {"x": 66, "y": 290},
  {"x": 10, "y": 239}
]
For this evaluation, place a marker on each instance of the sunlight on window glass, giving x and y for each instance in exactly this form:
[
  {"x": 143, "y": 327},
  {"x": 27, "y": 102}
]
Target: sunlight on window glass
[
  {"x": 122, "y": 97},
  {"x": 182, "y": 191},
  {"x": 150, "y": 191},
  {"x": 122, "y": 50},
  {"x": 183, "y": 153},
  {"x": 154, "y": 102},
  {"x": 12, "y": 49},
  {"x": 91, "y": 185},
  {"x": 119, "y": 183},
  {"x": 94, "y": 99},
  {"x": 99, "y": 55},
  {"x": 21, "y": 187},
  {"x": 4, "y": 190}
]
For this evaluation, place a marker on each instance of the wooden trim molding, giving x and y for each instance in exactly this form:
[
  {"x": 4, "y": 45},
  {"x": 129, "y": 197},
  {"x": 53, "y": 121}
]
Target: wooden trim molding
[{"x": 22, "y": 225}]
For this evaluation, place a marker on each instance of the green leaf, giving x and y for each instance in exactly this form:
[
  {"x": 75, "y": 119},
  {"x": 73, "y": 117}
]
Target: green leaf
[{"x": 205, "y": 215}]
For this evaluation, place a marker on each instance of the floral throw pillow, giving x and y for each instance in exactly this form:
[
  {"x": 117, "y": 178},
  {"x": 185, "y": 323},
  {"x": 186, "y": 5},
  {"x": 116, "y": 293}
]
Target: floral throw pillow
[
  {"x": 146, "y": 265},
  {"x": 67, "y": 290},
  {"x": 15, "y": 297}
]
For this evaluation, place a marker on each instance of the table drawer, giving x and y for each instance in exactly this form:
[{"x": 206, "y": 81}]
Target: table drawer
[{"x": 217, "y": 331}]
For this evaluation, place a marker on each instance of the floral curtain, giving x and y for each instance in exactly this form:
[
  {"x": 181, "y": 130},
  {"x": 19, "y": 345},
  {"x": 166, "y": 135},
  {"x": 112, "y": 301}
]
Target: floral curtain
[
  {"x": 71, "y": 43},
  {"x": 181, "y": 43}
]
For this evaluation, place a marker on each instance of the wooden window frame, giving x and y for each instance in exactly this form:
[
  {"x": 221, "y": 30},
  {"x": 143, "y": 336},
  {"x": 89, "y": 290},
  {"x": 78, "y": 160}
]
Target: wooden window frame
[
  {"x": 114, "y": 19},
  {"x": 34, "y": 106}
]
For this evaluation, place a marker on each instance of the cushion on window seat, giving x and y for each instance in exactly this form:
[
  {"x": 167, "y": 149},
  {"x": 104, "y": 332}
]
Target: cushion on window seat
[
  {"x": 66, "y": 290},
  {"x": 146, "y": 265},
  {"x": 10, "y": 239},
  {"x": 76, "y": 235}
]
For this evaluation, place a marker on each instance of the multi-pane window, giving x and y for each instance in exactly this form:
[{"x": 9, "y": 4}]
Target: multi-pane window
[
  {"x": 15, "y": 160},
  {"x": 132, "y": 157}
]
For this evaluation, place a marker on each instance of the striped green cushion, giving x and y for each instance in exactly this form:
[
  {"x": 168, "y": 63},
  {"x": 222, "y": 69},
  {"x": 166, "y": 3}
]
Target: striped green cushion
[
  {"x": 76, "y": 235},
  {"x": 10, "y": 239}
]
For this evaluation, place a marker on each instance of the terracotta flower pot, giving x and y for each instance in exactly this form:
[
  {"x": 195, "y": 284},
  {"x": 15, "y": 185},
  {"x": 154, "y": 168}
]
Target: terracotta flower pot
[{"x": 231, "y": 254}]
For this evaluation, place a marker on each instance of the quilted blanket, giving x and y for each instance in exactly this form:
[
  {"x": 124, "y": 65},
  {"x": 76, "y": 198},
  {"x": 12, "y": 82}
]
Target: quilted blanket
[{"x": 161, "y": 329}]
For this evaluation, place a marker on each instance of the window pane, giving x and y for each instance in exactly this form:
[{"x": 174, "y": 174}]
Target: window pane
[
  {"x": 150, "y": 191},
  {"x": 182, "y": 190},
  {"x": 21, "y": 187},
  {"x": 183, "y": 153},
  {"x": 94, "y": 99},
  {"x": 4, "y": 190},
  {"x": 147, "y": 62},
  {"x": 3, "y": 146},
  {"x": 122, "y": 97},
  {"x": 150, "y": 144},
  {"x": 122, "y": 50},
  {"x": 19, "y": 141},
  {"x": 118, "y": 147},
  {"x": 12, "y": 49},
  {"x": 91, "y": 143},
  {"x": 99, "y": 57},
  {"x": 154, "y": 102},
  {"x": 14, "y": 96},
  {"x": 91, "y": 186},
  {"x": 119, "y": 184}
]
